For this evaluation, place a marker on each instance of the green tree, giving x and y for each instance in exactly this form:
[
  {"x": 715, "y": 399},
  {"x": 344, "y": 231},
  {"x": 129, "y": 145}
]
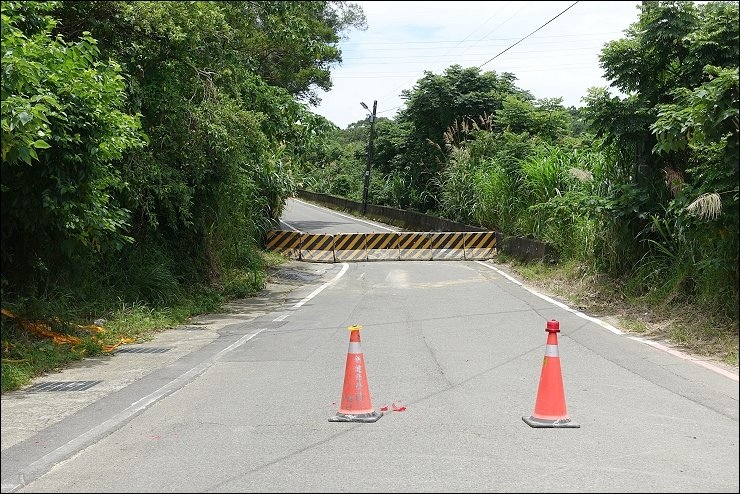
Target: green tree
[
  {"x": 63, "y": 129},
  {"x": 545, "y": 119},
  {"x": 434, "y": 104},
  {"x": 293, "y": 45},
  {"x": 673, "y": 139},
  {"x": 218, "y": 85},
  {"x": 668, "y": 47},
  {"x": 705, "y": 121}
]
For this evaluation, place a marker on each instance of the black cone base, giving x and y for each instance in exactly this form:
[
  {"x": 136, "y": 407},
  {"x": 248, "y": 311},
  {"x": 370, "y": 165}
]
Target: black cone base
[
  {"x": 565, "y": 423},
  {"x": 361, "y": 417}
]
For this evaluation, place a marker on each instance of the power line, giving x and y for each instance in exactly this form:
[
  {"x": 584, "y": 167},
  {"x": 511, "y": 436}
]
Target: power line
[
  {"x": 507, "y": 20},
  {"x": 393, "y": 60},
  {"x": 404, "y": 43},
  {"x": 527, "y": 36},
  {"x": 510, "y": 47},
  {"x": 500, "y": 53},
  {"x": 488, "y": 34},
  {"x": 389, "y": 52},
  {"x": 475, "y": 42},
  {"x": 523, "y": 69},
  {"x": 384, "y": 96}
]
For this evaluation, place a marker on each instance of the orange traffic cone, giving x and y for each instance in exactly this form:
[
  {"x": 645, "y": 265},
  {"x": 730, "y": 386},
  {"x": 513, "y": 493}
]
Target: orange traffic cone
[
  {"x": 549, "y": 410},
  {"x": 356, "y": 405}
]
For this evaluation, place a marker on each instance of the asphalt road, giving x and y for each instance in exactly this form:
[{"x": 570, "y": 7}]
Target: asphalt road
[
  {"x": 241, "y": 401},
  {"x": 309, "y": 218}
]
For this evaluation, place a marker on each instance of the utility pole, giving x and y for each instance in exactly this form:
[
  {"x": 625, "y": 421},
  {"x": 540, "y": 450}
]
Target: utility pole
[{"x": 369, "y": 155}]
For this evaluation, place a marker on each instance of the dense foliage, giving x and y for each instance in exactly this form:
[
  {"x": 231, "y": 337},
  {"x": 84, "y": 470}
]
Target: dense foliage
[
  {"x": 63, "y": 125},
  {"x": 674, "y": 193},
  {"x": 643, "y": 188},
  {"x": 156, "y": 132},
  {"x": 148, "y": 146}
]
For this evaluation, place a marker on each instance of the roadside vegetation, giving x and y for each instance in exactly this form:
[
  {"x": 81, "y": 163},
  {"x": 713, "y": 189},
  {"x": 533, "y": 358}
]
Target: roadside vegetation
[
  {"x": 700, "y": 333},
  {"x": 147, "y": 147},
  {"x": 637, "y": 194}
]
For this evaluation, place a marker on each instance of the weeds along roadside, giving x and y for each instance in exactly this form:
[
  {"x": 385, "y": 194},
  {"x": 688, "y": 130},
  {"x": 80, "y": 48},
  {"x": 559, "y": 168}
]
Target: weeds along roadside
[
  {"x": 687, "y": 326},
  {"x": 49, "y": 331}
]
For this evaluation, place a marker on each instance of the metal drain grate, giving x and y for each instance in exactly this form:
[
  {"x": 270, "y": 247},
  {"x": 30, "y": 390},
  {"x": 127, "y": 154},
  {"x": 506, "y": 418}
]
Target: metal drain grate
[
  {"x": 146, "y": 349},
  {"x": 63, "y": 386}
]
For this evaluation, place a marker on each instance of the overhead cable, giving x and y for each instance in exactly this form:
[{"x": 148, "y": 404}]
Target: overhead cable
[{"x": 527, "y": 36}]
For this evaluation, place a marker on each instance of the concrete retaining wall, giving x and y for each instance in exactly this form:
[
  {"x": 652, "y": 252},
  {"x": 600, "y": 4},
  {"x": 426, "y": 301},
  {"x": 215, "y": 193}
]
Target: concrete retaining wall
[{"x": 525, "y": 249}]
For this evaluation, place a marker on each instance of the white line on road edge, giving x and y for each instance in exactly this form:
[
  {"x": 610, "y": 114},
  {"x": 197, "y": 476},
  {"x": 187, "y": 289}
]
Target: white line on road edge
[
  {"x": 289, "y": 226},
  {"x": 88, "y": 437},
  {"x": 614, "y": 330},
  {"x": 553, "y": 301},
  {"x": 695, "y": 360},
  {"x": 345, "y": 266}
]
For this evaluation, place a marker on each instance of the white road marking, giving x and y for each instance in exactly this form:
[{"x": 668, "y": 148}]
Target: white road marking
[
  {"x": 345, "y": 266},
  {"x": 78, "y": 443},
  {"x": 614, "y": 330},
  {"x": 289, "y": 226}
]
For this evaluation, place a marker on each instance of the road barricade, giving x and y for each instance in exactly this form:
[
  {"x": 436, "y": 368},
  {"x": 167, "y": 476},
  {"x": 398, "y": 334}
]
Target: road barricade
[
  {"x": 382, "y": 246},
  {"x": 385, "y": 246},
  {"x": 448, "y": 246},
  {"x": 284, "y": 242},
  {"x": 317, "y": 247},
  {"x": 414, "y": 246},
  {"x": 350, "y": 247},
  {"x": 480, "y": 246}
]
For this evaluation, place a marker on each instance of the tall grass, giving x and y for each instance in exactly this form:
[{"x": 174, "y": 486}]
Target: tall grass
[
  {"x": 457, "y": 184},
  {"x": 681, "y": 263},
  {"x": 499, "y": 203}
]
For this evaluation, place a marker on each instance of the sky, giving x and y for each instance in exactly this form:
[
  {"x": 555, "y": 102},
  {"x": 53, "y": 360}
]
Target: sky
[{"x": 406, "y": 38}]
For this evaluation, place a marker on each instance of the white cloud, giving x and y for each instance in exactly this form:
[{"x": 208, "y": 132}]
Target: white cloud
[{"x": 406, "y": 38}]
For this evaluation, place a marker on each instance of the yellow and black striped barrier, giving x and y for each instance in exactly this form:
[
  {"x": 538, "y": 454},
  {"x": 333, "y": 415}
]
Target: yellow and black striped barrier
[
  {"x": 382, "y": 246},
  {"x": 448, "y": 246},
  {"x": 386, "y": 246},
  {"x": 350, "y": 247},
  {"x": 414, "y": 246},
  {"x": 480, "y": 245},
  {"x": 284, "y": 242},
  {"x": 317, "y": 247}
]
